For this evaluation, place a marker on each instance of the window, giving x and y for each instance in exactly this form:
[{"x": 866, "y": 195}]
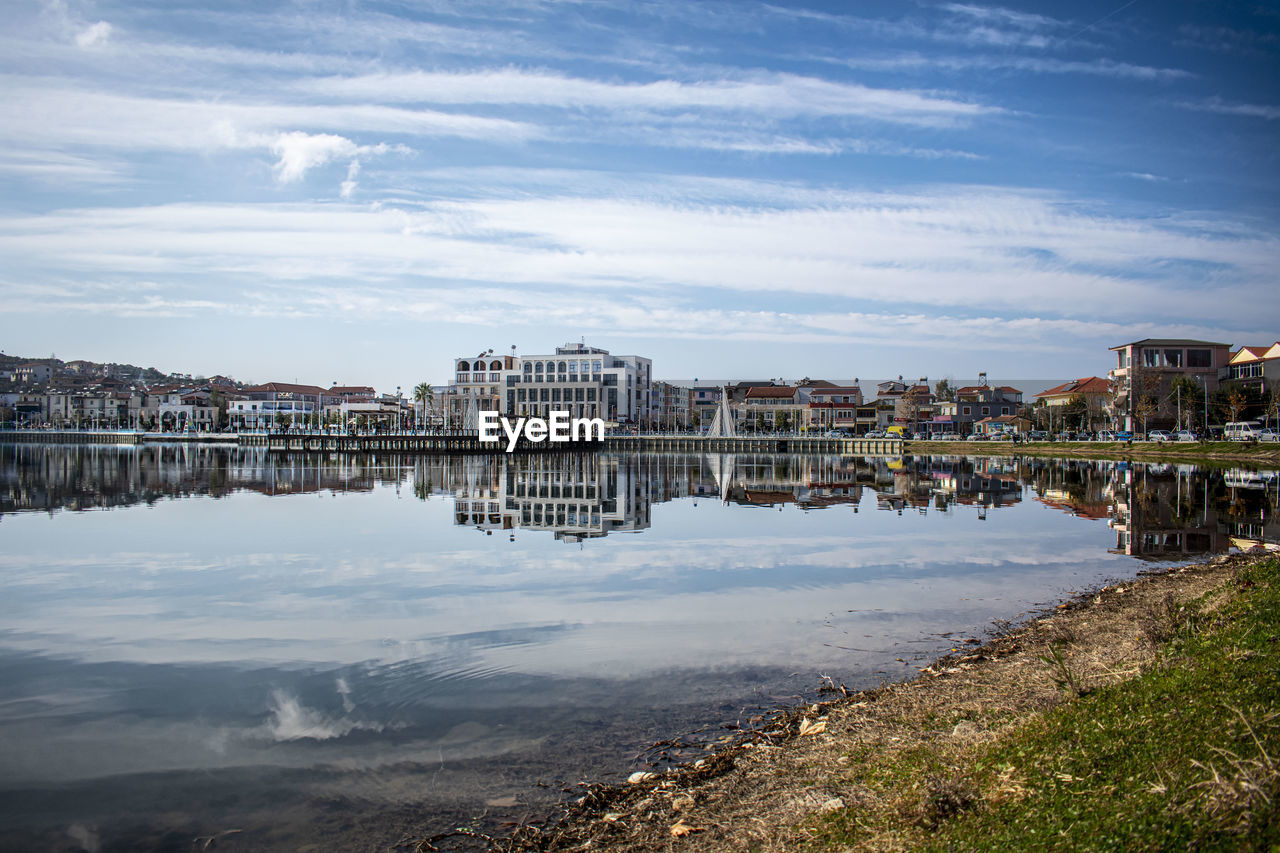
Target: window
[
  {"x": 1173, "y": 358},
  {"x": 1152, "y": 358},
  {"x": 1199, "y": 358},
  {"x": 528, "y": 368},
  {"x": 538, "y": 367},
  {"x": 968, "y": 410}
]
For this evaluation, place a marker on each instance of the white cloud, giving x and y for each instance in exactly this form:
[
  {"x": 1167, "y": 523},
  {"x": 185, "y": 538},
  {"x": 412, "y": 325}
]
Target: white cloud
[
  {"x": 60, "y": 115},
  {"x": 979, "y": 250},
  {"x": 349, "y": 185},
  {"x": 777, "y": 95},
  {"x": 299, "y": 152},
  {"x": 94, "y": 35},
  {"x": 1218, "y": 105}
]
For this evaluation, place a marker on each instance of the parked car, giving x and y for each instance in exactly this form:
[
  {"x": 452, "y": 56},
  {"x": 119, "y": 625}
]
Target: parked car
[
  {"x": 1186, "y": 435},
  {"x": 1105, "y": 435},
  {"x": 875, "y": 433},
  {"x": 1159, "y": 435},
  {"x": 1268, "y": 435},
  {"x": 1037, "y": 435},
  {"x": 1002, "y": 436},
  {"x": 977, "y": 436}
]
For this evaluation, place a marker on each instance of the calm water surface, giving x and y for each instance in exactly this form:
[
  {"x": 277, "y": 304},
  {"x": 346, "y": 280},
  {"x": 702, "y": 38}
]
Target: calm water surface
[{"x": 350, "y": 651}]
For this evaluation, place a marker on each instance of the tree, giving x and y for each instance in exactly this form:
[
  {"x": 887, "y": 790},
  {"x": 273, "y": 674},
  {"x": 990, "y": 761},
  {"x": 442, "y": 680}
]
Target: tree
[
  {"x": 1272, "y": 409},
  {"x": 219, "y": 404},
  {"x": 783, "y": 421},
  {"x": 425, "y": 398},
  {"x": 1075, "y": 412},
  {"x": 1236, "y": 401},
  {"x": 943, "y": 391},
  {"x": 1145, "y": 408}
]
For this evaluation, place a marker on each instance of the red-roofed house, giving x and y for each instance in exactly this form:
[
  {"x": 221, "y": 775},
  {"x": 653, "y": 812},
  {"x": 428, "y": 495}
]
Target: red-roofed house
[{"x": 1095, "y": 391}]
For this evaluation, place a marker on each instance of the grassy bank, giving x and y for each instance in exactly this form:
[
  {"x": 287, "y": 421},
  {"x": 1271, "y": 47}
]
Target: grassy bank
[
  {"x": 1209, "y": 452},
  {"x": 1140, "y": 716}
]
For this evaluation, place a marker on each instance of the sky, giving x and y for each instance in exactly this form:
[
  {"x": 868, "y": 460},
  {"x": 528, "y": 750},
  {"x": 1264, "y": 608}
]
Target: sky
[{"x": 360, "y": 192}]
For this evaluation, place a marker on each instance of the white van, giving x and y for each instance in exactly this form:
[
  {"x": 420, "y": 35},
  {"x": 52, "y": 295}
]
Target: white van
[{"x": 1241, "y": 431}]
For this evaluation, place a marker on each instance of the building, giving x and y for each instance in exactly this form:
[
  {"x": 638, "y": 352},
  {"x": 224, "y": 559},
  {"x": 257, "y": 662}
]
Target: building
[
  {"x": 974, "y": 403},
  {"x": 835, "y": 408},
  {"x": 34, "y": 373},
  {"x": 704, "y": 400},
  {"x": 1094, "y": 392},
  {"x": 477, "y": 385},
  {"x": 913, "y": 408},
  {"x": 773, "y": 408},
  {"x": 580, "y": 380},
  {"x": 275, "y": 404},
  {"x": 585, "y": 382},
  {"x": 672, "y": 406},
  {"x": 1146, "y": 371},
  {"x": 1256, "y": 367}
]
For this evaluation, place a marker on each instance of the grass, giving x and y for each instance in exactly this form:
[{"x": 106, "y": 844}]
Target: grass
[{"x": 1181, "y": 754}]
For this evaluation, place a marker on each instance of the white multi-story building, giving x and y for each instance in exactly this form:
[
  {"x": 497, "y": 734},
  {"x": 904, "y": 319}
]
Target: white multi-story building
[{"x": 582, "y": 381}]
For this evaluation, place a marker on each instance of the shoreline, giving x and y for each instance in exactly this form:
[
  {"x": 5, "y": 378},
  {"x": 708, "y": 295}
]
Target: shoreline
[
  {"x": 805, "y": 777},
  {"x": 1213, "y": 453}
]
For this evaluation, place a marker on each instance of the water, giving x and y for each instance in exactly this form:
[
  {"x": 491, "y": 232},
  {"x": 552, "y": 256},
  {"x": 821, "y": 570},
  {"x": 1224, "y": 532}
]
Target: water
[{"x": 350, "y": 651}]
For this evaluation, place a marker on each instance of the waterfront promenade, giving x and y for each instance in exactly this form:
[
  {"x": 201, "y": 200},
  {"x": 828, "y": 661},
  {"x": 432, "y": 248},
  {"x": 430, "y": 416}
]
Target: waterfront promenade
[{"x": 465, "y": 442}]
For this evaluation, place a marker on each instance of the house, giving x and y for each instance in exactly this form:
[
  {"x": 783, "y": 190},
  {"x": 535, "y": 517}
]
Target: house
[
  {"x": 976, "y": 402},
  {"x": 773, "y": 407},
  {"x": 834, "y": 407},
  {"x": 1146, "y": 371},
  {"x": 1002, "y": 424},
  {"x": 1093, "y": 391},
  {"x": 1257, "y": 367}
]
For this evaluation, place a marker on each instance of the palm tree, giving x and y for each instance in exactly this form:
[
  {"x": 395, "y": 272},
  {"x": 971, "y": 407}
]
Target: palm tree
[{"x": 424, "y": 396}]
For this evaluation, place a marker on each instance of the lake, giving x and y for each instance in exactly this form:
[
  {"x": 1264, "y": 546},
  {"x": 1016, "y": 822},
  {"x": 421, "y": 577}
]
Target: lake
[{"x": 344, "y": 652}]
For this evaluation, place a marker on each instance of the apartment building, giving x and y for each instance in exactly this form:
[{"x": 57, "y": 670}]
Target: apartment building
[{"x": 1146, "y": 370}]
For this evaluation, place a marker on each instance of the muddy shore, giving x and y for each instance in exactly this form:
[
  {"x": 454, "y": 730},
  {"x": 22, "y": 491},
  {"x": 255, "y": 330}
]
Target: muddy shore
[{"x": 783, "y": 780}]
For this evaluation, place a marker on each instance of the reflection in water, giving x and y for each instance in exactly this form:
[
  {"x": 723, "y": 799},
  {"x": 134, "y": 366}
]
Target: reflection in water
[{"x": 337, "y": 650}]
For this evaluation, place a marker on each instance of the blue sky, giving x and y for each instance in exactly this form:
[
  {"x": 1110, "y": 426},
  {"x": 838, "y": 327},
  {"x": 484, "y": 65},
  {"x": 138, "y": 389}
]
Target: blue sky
[{"x": 360, "y": 192}]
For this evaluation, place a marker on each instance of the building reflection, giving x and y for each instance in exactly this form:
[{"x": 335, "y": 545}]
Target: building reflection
[{"x": 1158, "y": 512}]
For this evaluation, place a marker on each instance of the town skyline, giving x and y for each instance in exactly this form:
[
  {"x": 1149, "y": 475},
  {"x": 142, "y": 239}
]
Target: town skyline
[{"x": 362, "y": 191}]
